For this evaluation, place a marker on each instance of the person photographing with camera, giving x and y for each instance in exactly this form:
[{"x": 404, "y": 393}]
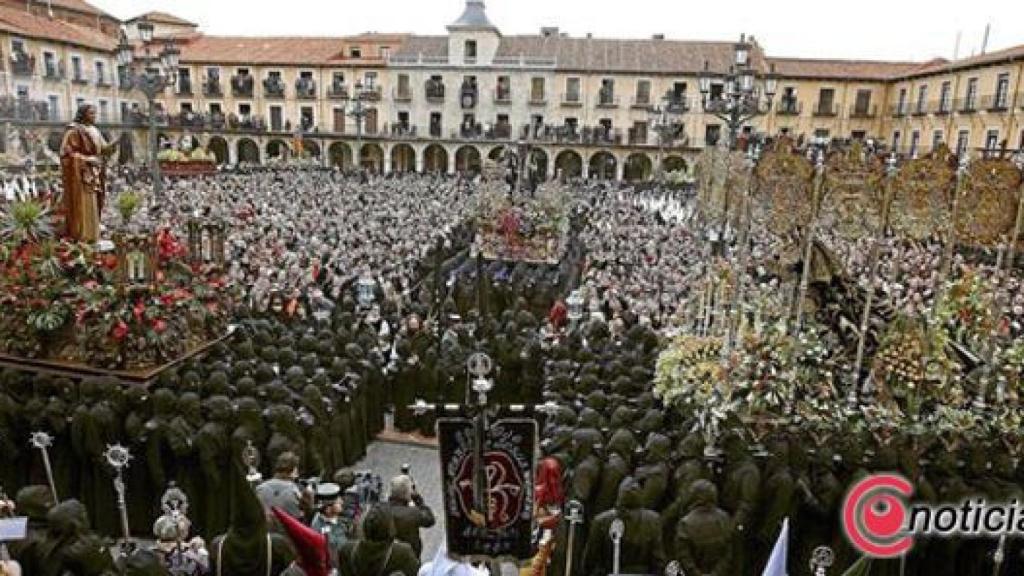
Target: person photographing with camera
[
  {"x": 284, "y": 491},
  {"x": 409, "y": 512}
]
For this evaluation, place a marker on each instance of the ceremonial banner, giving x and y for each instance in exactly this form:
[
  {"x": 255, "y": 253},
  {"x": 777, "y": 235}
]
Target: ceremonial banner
[{"x": 508, "y": 449}]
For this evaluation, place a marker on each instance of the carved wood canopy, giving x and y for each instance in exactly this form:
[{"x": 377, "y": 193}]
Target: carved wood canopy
[
  {"x": 988, "y": 202},
  {"x": 784, "y": 190},
  {"x": 851, "y": 207},
  {"x": 922, "y": 194}
]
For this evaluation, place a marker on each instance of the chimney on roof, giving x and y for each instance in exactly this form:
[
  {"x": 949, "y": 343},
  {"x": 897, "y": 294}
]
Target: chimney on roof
[
  {"x": 589, "y": 35},
  {"x": 549, "y": 31},
  {"x": 658, "y": 37}
]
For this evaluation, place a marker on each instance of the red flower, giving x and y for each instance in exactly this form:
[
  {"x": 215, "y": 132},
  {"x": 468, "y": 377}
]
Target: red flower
[
  {"x": 110, "y": 262},
  {"x": 159, "y": 326},
  {"x": 120, "y": 331},
  {"x": 139, "y": 310},
  {"x": 213, "y": 307},
  {"x": 159, "y": 276},
  {"x": 90, "y": 285}
]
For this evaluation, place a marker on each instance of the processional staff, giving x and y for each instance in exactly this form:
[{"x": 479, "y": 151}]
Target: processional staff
[
  {"x": 117, "y": 457},
  {"x": 615, "y": 532},
  {"x": 41, "y": 441},
  {"x": 574, "y": 515}
]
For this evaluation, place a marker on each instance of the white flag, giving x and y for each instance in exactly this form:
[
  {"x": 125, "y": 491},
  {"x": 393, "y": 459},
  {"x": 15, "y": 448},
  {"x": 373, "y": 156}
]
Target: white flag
[{"x": 777, "y": 561}]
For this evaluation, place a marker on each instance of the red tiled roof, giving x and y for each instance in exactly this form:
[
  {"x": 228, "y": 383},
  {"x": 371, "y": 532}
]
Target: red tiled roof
[
  {"x": 22, "y": 23},
  {"x": 295, "y": 51},
  {"x": 840, "y": 69},
  {"x": 162, "y": 18},
  {"x": 599, "y": 54},
  {"x": 940, "y": 65},
  {"x": 81, "y": 6}
]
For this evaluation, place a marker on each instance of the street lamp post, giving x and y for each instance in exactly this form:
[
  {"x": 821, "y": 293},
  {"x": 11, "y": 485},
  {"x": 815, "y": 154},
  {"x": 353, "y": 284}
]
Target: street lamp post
[
  {"x": 741, "y": 100},
  {"x": 665, "y": 122},
  {"x": 360, "y": 110},
  {"x": 157, "y": 74}
]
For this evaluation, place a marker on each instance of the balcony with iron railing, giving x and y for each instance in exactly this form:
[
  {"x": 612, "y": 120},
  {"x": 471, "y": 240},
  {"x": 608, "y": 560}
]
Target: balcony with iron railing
[
  {"x": 184, "y": 87},
  {"x": 79, "y": 77},
  {"x": 435, "y": 131},
  {"x": 920, "y": 109},
  {"x": 898, "y": 110},
  {"x": 538, "y": 98},
  {"x": 862, "y": 111},
  {"x": 788, "y": 107},
  {"x": 826, "y": 109},
  {"x": 242, "y": 85},
  {"x": 996, "y": 102},
  {"x": 273, "y": 87},
  {"x": 401, "y": 94},
  {"x": 966, "y": 105},
  {"x": 27, "y": 110},
  {"x": 435, "y": 91},
  {"x": 104, "y": 81},
  {"x": 54, "y": 72},
  {"x": 637, "y": 137},
  {"x": 337, "y": 91},
  {"x": 572, "y": 99},
  {"x": 373, "y": 93},
  {"x": 942, "y": 107},
  {"x": 400, "y": 130},
  {"x": 501, "y": 131},
  {"x": 677, "y": 104},
  {"x": 305, "y": 88},
  {"x": 212, "y": 88},
  {"x": 641, "y": 101},
  {"x": 503, "y": 96},
  {"x": 468, "y": 96},
  {"x": 23, "y": 64},
  {"x": 607, "y": 99}
]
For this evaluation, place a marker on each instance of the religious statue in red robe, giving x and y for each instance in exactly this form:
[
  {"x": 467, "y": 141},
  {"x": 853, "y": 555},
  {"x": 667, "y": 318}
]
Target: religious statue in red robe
[{"x": 83, "y": 157}]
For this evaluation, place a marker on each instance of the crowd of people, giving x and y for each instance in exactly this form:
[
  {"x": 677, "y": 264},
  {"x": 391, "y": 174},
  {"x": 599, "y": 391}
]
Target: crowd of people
[{"x": 315, "y": 367}]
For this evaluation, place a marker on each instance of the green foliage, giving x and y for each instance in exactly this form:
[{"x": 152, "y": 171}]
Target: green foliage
[{"x": 25, "y": 221}]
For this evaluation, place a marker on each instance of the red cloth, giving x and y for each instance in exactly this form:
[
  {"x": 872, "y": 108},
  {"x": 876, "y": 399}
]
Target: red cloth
[
  {"x": 548, "y": 487},
  {"x": 311, "y": 546},
  {"x": 559, "y": 314}
]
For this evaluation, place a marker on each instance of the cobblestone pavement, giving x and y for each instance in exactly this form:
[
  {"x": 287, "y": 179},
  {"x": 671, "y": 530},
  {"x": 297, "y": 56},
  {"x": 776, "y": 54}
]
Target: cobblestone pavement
[{"x": 386, "y": 459}]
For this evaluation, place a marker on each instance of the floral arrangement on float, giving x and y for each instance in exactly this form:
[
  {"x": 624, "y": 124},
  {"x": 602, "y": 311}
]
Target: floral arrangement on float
[
  {"x": 140, "y": 305},
  {"x": 525, "y": 228},
  {"x": 174, "y": 162}
]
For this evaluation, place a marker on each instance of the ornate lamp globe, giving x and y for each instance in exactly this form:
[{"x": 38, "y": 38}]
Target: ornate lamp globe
[{"x": 574, "y": 303}]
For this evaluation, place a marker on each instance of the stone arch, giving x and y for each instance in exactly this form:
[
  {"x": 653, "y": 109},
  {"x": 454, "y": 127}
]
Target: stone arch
[
  {"x": 540, "y": 158},
  {"x": 248, "y": 151},
  {"x": 569, "y": 164},
  {"x": 435, "y": 159},
  {"x": 340, "y": 154},
  {"x": 467, "y": 160},
  {"x": 372, "y": 157},
  {"x": 674, "y": 163},
  {"x": 495, "y": 153},
  {"x": 278, "y": 148},
  {"x": 219, "y": 147},
  {"x": 602, "y": 165},
  {"x": 312, "y": 147},
  {"x": 638, "y": 167},
  {"x": 403, "y": 158}
]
